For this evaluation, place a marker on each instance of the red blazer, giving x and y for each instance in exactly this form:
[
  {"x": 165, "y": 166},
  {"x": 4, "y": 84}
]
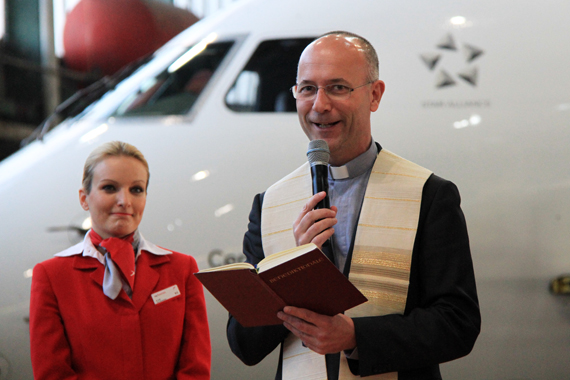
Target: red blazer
[{"x": 77, "y": 332}]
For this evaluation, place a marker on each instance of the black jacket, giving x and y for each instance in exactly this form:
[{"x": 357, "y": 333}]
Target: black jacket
[{"x": 441, "y": 321}]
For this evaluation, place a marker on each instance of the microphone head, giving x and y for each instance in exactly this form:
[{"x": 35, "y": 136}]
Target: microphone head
[{"x": 318, "y": 152}]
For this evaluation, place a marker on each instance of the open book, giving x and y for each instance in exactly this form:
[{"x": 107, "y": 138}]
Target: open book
[{"x": 302, "y": 276}]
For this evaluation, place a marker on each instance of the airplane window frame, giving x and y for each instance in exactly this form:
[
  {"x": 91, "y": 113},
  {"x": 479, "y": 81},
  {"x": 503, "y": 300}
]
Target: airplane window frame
[
  {"x": 275, "y": 62},
  {"x": 178, "y": 103}
]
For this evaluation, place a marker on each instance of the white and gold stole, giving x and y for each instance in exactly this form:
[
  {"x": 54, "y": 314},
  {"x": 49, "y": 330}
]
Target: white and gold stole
[{"x": 382, "y": 254}]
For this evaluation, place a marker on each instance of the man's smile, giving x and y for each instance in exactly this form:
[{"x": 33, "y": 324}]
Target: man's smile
[{"x": 325, "y": 126}]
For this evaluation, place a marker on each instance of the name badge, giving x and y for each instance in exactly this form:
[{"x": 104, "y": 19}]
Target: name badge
[{"x": 165, "y": 294}]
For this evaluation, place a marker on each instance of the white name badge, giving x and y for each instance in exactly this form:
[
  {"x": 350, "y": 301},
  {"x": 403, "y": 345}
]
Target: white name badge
[{"x": 165, "y": 294}]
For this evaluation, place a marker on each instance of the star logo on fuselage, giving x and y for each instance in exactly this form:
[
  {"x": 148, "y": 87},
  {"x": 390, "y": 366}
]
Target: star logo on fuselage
[{"x": 469, "y": 73}]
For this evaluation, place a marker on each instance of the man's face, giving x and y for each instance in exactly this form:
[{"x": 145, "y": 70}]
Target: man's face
[{"x": 343, "y": 123}]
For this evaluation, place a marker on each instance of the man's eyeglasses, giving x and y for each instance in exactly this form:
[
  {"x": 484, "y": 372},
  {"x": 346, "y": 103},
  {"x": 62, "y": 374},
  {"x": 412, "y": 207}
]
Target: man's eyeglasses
[{"x": 333, "y": 91}]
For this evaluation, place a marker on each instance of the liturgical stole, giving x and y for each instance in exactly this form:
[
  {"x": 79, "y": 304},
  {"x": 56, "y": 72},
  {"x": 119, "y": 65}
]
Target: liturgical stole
[{"x": 382, "y": 254}]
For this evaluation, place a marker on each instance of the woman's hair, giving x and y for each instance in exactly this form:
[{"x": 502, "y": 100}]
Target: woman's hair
[{"x": 110, "y": 149}]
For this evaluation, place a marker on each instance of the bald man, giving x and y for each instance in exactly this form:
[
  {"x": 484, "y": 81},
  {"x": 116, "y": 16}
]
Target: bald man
[{"x": 395, "y": 229}]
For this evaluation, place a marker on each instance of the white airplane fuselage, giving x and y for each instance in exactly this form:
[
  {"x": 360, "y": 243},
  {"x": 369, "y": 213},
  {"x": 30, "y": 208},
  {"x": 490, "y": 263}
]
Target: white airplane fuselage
[{"x": 483, "y": 101}]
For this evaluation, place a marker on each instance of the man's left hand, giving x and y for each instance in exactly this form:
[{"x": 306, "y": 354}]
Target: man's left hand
[{"x": 320, "y": 333}]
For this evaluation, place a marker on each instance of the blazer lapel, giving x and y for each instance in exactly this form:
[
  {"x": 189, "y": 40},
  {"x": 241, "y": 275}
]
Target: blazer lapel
[
  {"x": 86, "y": 263},
  {"x": 145, "y": 281},
  {"x": 90, "y": 263},
  {"x": 146, "y": 277},
  {"x": 97, "y": 273}
]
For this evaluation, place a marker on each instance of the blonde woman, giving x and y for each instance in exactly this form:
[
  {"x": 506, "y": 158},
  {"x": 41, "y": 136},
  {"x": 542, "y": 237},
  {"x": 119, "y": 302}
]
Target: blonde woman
[{"x": 116, "y": 306}]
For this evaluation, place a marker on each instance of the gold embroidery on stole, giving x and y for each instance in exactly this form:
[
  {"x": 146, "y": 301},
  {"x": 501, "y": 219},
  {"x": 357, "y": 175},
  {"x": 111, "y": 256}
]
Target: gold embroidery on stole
[{"x": 381, "y": 260}]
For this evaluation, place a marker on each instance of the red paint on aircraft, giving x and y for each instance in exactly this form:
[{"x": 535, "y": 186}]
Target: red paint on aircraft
[{"x": 105, "y": 35}]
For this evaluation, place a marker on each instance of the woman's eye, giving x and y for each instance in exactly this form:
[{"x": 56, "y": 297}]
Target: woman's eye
[
  {"x": 108, "y": 188},
  {"x": 137, "y": 190}
]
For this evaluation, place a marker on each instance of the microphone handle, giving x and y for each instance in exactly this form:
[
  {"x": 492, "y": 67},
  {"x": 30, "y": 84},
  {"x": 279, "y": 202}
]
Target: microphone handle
[{"x": 320, "y": 176}]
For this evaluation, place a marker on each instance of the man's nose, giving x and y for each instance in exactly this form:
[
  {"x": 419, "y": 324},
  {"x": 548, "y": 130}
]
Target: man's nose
[{"x": 322, "y": 102}]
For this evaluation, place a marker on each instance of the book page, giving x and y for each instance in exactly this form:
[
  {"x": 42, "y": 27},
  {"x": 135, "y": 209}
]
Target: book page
[
  {"x": 284, "y": 256},
  {"x": 233, "y": 266}
]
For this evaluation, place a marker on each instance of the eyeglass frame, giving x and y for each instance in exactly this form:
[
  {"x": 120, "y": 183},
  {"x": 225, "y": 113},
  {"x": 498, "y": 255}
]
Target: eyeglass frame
[{"x": 351, "y": 89}]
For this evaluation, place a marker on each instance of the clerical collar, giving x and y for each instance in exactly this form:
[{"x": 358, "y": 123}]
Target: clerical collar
[{"x": 357, "y": 166}]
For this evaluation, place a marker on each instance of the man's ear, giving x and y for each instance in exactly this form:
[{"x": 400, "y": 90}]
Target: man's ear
[
  {"x": 83, "y": 199},
  {"x": 378, "y": 88}
]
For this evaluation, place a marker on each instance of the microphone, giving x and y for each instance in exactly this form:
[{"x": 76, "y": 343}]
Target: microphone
[{"x": 318, "y": 155}]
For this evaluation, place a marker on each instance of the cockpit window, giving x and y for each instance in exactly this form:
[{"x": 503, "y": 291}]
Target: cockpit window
[
  {"x": 265, "y": 82},
  {"x": 174, "y": 91}
]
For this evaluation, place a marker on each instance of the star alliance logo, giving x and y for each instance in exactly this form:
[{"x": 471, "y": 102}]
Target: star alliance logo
[{"x": 443, "y": 78}]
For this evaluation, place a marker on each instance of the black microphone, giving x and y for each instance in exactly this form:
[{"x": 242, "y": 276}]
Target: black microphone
[{"x": 318, "y": 155}]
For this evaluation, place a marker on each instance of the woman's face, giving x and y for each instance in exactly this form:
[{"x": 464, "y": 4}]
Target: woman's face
[{"x": 117, "y": 197}]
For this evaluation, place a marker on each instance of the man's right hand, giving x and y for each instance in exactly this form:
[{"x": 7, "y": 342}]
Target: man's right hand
[{"x": 314, "y": 226}]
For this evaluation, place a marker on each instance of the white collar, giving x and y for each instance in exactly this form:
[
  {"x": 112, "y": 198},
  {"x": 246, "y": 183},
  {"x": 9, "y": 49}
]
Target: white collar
[
  {"x": 88, "y": 249},
  {"x": 339, "y": 172},
  {"x": 357, "y": 166}
]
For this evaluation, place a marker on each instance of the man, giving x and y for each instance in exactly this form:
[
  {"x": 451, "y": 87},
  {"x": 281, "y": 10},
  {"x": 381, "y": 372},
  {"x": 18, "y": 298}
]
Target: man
[{"x": 396, "y": 230}]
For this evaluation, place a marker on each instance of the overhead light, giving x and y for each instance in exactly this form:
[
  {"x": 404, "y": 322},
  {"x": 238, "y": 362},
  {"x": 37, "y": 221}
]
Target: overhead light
[
  {"x": 458, "y": 20},
  {"x": 86, "y": 225},
  {"x": 94, "y": 133},
  {"x": 194, "y": 51},
  {"x": 223, "y": 210},
  {"x": 472, "y": 121},
  {"x": 475, "y": 120},
  {"x": 172, "y": 226},
  {"x": 172, "y": 120},
  {"x": 461, "y": 124},
  {"x": 200, "y": 175},
  {"x": 28, "y": 273}
]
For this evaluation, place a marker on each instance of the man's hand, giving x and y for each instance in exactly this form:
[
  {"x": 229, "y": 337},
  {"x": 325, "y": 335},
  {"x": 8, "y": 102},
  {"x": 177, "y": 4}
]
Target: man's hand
[
  {"x": 314, "y": 225},
  {"x": 320, "y": 333}
]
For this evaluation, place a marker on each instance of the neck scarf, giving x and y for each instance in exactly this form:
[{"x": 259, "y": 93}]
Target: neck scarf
[{"x": 119, "y": 262}]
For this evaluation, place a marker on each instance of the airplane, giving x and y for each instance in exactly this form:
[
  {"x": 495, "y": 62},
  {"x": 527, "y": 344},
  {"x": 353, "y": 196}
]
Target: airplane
[{"x": 475, "y": 91}]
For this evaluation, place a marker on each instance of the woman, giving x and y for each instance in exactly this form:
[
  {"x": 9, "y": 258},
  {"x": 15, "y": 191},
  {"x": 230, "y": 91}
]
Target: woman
[{"x": 116, "y": 306}]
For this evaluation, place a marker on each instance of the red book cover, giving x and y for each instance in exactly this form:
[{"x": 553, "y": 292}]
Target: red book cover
[
  {"x": 311, "y": 281},
  {"x": 307, "y": 279},
  {"x": 244, "y": 295}
]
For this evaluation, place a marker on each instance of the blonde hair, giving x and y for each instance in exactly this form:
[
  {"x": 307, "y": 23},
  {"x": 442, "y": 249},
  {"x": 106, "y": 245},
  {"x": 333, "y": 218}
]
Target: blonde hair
[{"x": 110, "y": 149}]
